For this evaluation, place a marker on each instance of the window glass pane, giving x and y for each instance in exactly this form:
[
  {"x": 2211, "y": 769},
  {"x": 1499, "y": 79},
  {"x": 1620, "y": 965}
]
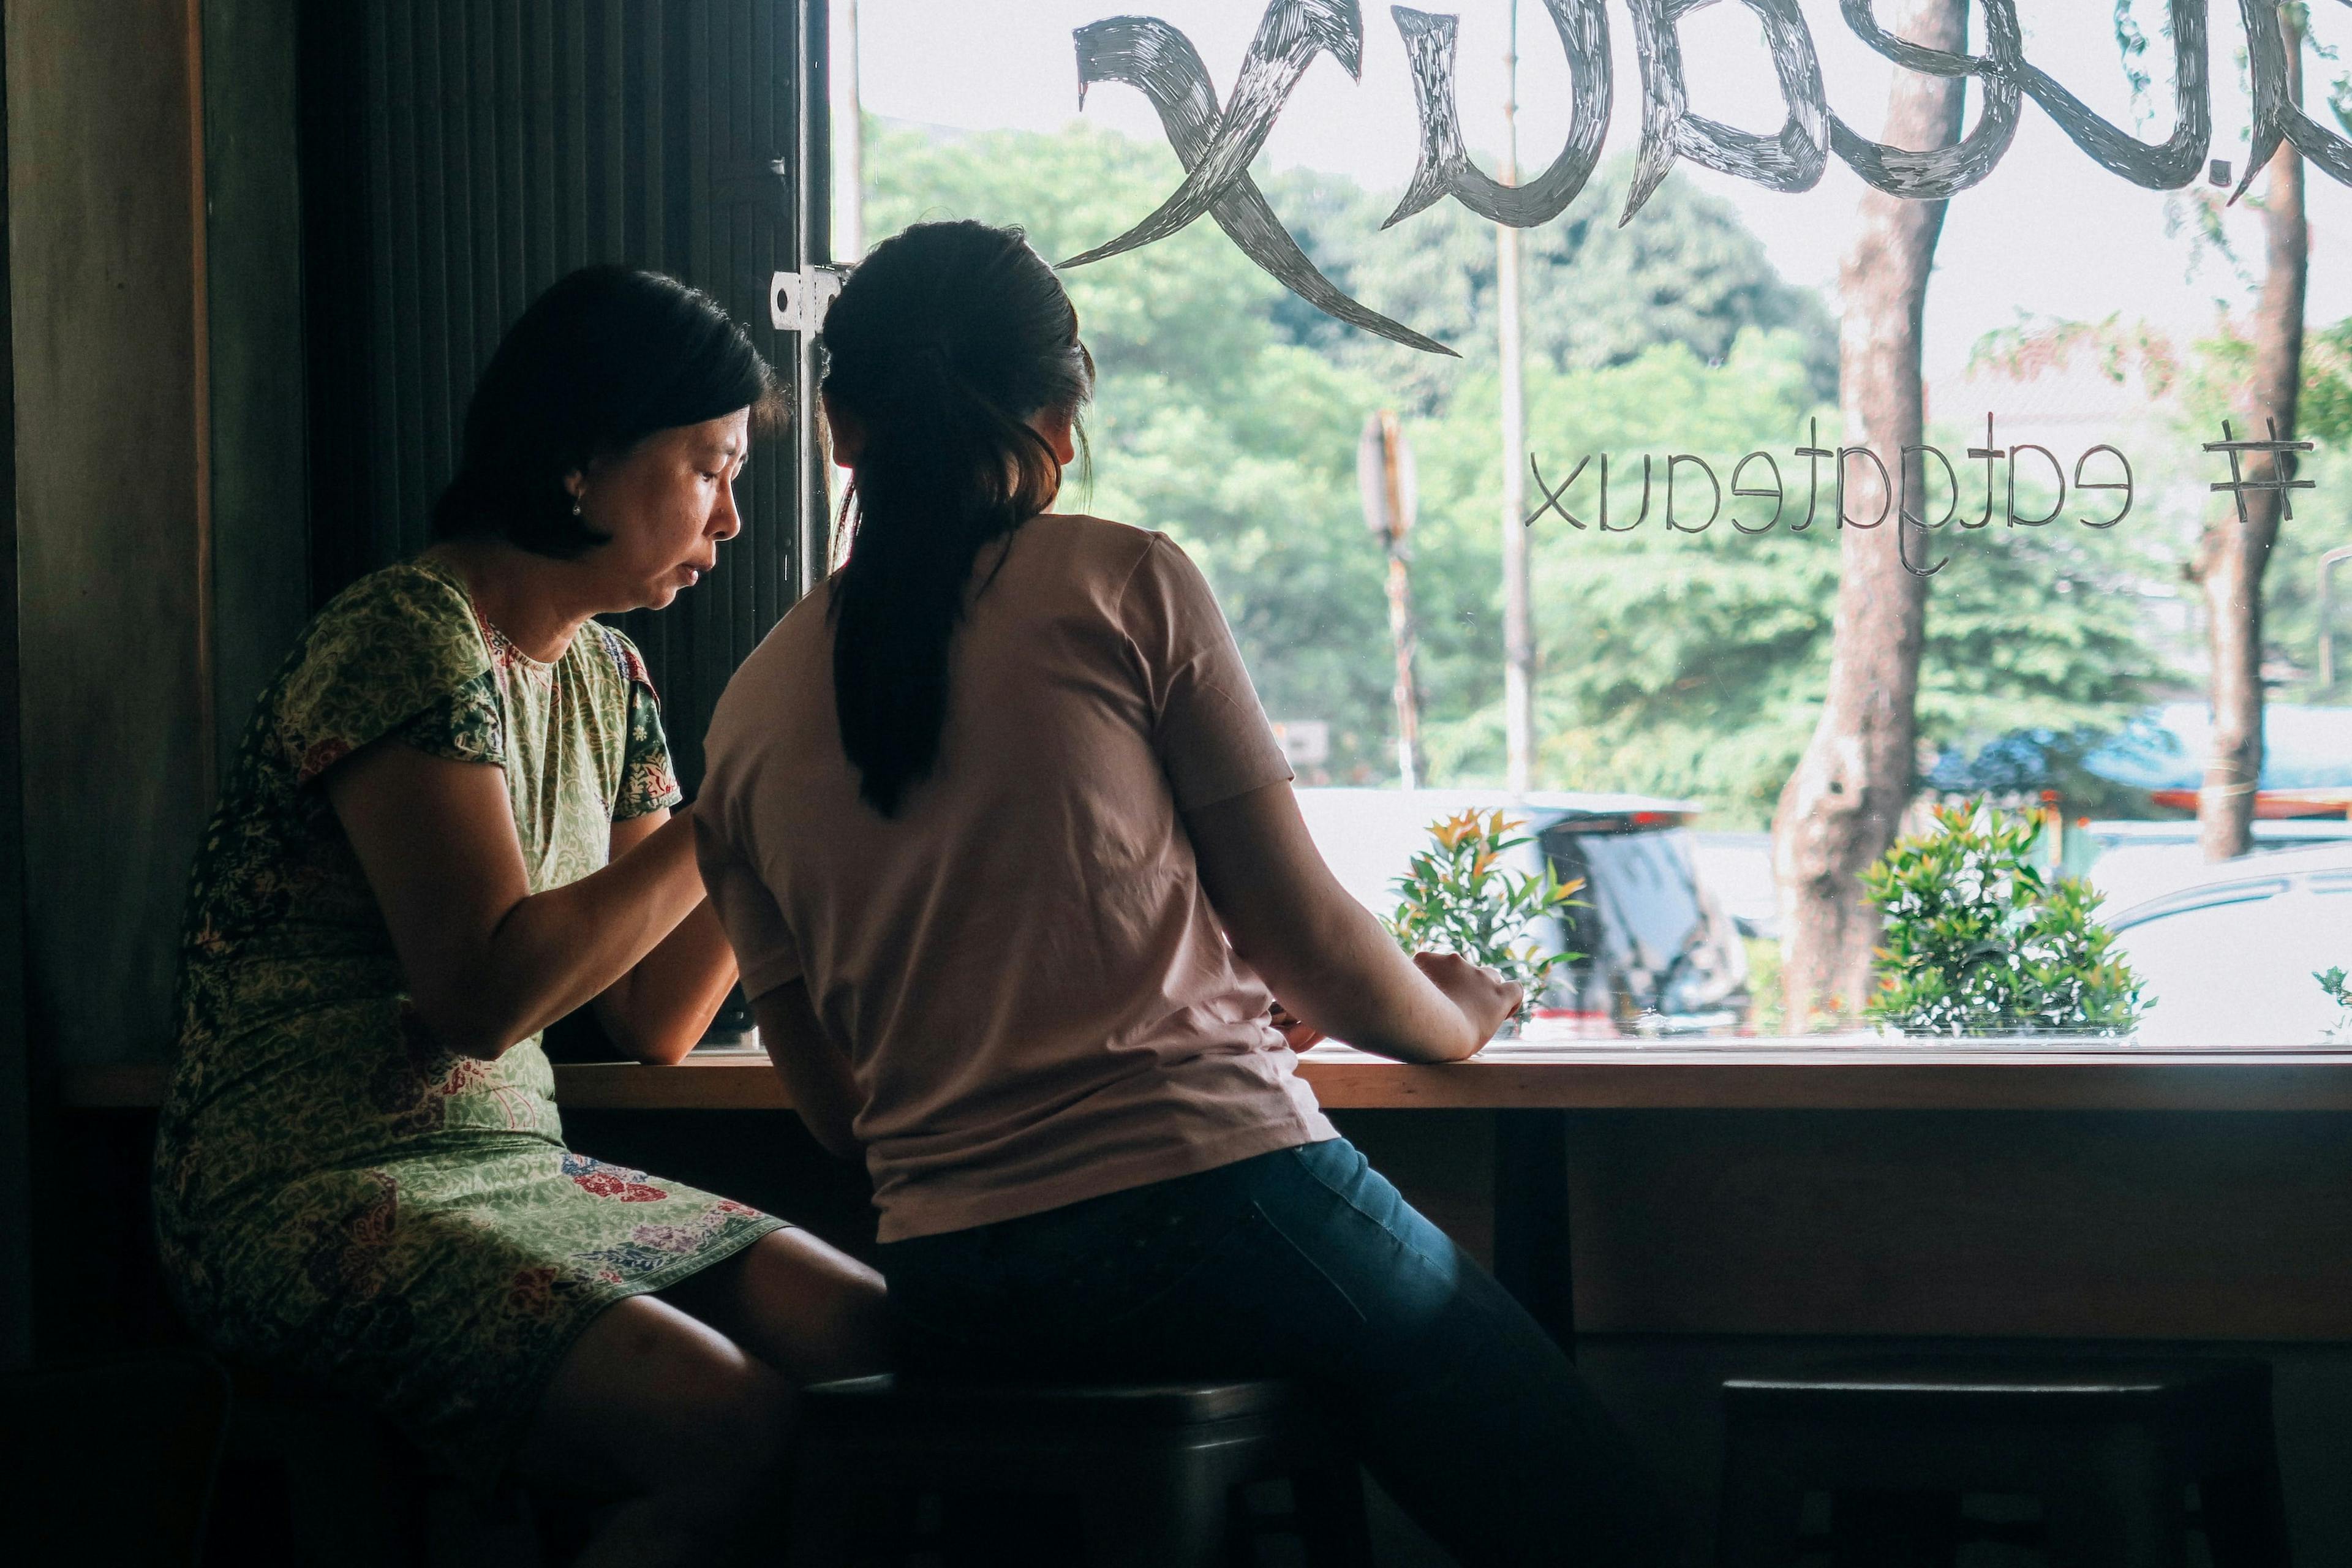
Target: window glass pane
[
  {"x": 2237, "y": 970},
  {"x": 1795, "y": 578}
]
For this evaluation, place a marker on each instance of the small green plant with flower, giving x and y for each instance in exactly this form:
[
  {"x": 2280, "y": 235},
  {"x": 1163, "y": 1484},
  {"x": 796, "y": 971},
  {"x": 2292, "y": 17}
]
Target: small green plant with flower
[
  {"x": 2339, "y": 991},
  {"x": 1979, "y": 939},
  {"x": 1459, "y": 897}
]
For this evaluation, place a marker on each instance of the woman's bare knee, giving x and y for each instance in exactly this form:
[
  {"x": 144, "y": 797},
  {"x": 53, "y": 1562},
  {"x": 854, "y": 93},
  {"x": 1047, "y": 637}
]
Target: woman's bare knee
[
  {"x": 809, "y": 1309},
  {"x": 650, "y": 1399},
  {"x": 849, "y": 1305}
]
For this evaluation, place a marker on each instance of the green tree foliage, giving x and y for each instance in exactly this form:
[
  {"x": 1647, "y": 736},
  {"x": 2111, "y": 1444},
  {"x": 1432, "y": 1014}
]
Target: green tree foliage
[
  {"x": 1979, "y": 940},
  {"x": 1675, "y": 663},
  {"x": 1690, "y": 664},
  {"x": 1687, "y": 664},
  {"x": 2208, "y": 382},
  {"x": 2339, "y": 991},
  {"x": 1685, "y": 272},
  {"x": 1229, "y": 410},
  {"x": 2220, "y": 368},
  {"x": 1209, "y": 421}
]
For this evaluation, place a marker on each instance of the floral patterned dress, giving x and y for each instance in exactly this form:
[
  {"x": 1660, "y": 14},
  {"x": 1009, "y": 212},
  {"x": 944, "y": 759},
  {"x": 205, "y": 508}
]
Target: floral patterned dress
[{"x": 337, "y": 1195}]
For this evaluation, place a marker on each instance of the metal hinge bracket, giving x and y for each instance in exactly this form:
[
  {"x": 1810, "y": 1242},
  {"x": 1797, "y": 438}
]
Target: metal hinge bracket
[{"x": 797, "y": 301}]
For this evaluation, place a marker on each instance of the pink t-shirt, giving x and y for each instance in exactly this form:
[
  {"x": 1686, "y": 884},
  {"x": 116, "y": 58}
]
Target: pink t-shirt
[{"x": 1038, "y": 1001}]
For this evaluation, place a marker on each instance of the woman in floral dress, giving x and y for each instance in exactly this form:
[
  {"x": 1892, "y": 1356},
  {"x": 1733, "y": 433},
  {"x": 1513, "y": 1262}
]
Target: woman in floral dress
[{"x": 450, "y": 824}]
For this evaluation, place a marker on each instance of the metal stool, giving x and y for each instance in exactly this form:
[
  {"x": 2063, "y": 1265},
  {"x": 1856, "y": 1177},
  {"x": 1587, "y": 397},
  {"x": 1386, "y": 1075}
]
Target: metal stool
[
  {"x": 2109, "y": 1447},
  {"x": 1144, "y": 1476}
]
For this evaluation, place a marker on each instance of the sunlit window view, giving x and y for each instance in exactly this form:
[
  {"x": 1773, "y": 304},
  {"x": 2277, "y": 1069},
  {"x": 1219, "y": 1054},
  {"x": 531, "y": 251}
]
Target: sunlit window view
[{"x": 1874, "y": 533}]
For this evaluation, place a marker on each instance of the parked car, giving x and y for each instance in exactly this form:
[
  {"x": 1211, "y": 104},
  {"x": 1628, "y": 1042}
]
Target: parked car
[
  {"x": 2132, "y": 862},
  {"x": 1738, "y": 869},
  {"x": 2228, "y": 959},
  {"x": 1660, "y": 954}
]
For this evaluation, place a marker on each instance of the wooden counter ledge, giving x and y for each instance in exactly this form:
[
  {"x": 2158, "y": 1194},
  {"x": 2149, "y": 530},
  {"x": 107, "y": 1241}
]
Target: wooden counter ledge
[{"x": 1759, "y": 1076}]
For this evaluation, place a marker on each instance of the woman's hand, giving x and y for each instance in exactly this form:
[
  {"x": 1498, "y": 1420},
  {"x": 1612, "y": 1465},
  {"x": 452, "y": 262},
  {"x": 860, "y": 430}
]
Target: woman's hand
[
  {"x": 1314, "y": 945},
  {"x": 816, "y": 1073},
  {"x": 1300, "y": 1033},
  {"x": 1484, "y": 997},
  {"x": 658, "y": 1009}
]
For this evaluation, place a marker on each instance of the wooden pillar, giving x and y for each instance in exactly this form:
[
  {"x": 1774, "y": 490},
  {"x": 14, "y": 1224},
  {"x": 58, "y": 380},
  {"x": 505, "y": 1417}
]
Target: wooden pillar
[
  {"x": 107, "y": 293},
  {"x": 15, "y": 1063}
]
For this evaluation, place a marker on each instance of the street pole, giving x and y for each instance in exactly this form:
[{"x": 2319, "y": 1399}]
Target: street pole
[
  {"x": 1519, "y": 639},
  {"x": 1385, "y": 479}
]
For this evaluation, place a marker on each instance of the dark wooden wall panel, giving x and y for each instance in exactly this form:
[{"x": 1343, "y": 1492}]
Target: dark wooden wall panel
[
  {"x": 260, "y": 546},
  {"x": 458, "y": 156},
  {"x": 2057, "y": 1223},
  {"x": 112, "y": 553},
  {"x": 16, "y": 1054}
]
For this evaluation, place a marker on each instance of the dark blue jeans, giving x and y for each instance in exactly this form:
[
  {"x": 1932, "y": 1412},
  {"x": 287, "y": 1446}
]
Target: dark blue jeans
[{"x": 1304, "y": 1263}]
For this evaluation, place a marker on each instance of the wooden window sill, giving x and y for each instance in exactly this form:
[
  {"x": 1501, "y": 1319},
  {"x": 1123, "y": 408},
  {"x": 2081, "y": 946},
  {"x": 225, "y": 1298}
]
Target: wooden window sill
[{"x": 1793, "y": 1076}]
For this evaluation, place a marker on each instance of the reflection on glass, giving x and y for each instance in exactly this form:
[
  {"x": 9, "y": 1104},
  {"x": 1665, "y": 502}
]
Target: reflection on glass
[
  {"x": 1701, "y": 377},
  {"x": 2233, "y": 957}
]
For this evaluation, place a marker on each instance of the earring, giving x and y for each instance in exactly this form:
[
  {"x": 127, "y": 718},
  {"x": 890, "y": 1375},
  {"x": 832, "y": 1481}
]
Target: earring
[{"x": 576, "y": 509}]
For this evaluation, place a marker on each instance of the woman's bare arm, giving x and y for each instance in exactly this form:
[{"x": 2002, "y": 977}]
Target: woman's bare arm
[
  {"x": 815, "y": 1072},
  {"x": 488, "y": 962},
  {"x": 1323, "y": 952},
  {"x": 660, "y": 1007}
]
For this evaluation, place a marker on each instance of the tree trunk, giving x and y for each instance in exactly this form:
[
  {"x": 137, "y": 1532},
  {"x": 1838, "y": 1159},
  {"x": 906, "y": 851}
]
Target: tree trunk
[
  {"x": 2236, "y": 545},
  {"x": 1841, "y": 808}
]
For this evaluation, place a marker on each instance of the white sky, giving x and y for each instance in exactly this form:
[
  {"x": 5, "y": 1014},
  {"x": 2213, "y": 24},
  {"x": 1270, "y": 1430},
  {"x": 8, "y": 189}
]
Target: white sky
[{"x": 2049, "y": 233}]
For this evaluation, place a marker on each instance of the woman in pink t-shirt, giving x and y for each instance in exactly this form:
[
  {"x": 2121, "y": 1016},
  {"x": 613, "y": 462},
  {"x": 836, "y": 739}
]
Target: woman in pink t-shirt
[{"x": 1009, "y": 856}]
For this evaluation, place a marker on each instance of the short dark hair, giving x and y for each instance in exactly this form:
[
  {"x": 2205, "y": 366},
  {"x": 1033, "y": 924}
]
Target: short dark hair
[{"x": 605, "y": 357}]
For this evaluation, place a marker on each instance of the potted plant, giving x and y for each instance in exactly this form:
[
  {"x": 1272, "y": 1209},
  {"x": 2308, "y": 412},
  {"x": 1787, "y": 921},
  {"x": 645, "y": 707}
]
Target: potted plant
[
  {"x": 1459, "y": 897},
  {"x": 1981, "y": 939},
  {"x": 2339, "y": 990}
]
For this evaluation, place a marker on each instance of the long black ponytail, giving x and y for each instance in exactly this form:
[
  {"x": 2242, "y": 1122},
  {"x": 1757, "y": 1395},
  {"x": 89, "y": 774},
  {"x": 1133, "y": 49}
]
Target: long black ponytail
[{"x": 944, "y": 342}]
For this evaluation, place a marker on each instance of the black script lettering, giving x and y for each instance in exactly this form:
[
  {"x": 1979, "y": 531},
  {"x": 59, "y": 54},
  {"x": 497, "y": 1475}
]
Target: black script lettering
[
  {"x": 1903, "y": 555},
  {"x": 1951, "y": 480},
  {"x": 1935, "y": 175},
  {"x": 1992, "y": 455},
  {"x": 2164, "y": 165},
  {"x": 2280, "y": 481},
  {"x": 1714, "y": 512},
  {"x": 2055, "y": 471},
  {"x": 1780, "y": 496},
  {"x": 1290, "y": 36},
  {"x": 1791, "y": 160},
  {"x": 1907, "y": 520},
  {"x": 2124, "y": 485},
  {"x": 1152, "y": 57},
  {"x": 1885, "y": 488},
  {"x": 2276, "y": 114},
  {"x": 1552, "y": 502},
  {"x": 1445, "y": 168},
  {"x": 1812, "y": 456},
  {"x": 1644, "y": 516},
  {"x": 1216, "y": 147}
]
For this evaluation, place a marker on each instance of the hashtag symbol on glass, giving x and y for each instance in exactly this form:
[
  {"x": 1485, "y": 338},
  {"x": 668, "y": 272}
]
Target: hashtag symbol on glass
[{"x": 2279, "y": 480}]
